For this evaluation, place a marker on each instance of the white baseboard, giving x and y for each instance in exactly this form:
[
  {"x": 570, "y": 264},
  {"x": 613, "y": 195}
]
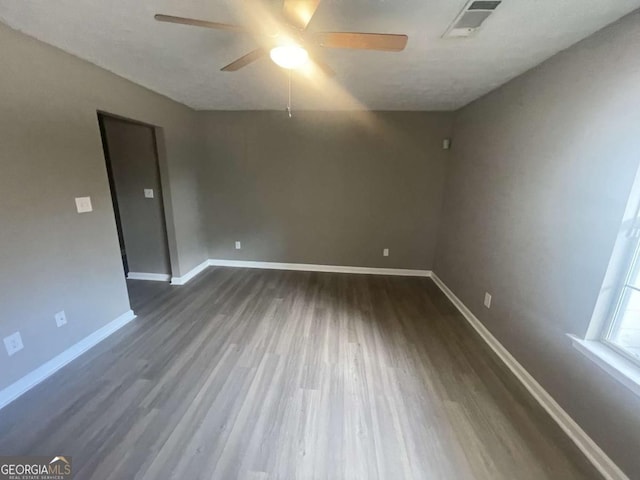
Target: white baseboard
[
  {"x": 190, "y": 274},
  {"x": 156, "y": 277},
  {"x": 310, "y": 267},
  {"x": 589, "y": 448},
  {"x": 13, "y": 391},
  {"x": 306, "y": 267}
]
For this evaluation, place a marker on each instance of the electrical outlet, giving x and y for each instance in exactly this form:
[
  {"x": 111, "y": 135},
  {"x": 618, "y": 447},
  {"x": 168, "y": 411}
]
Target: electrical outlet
[
  {"x": 238, "y": 245},
  {"x": 13, "y": 343},
  {"x": 61, "y": 318},
  {"x": 148, "y": 193},
  {"x": 487, "y": 300},
  {"x": 385, "y": 252}
]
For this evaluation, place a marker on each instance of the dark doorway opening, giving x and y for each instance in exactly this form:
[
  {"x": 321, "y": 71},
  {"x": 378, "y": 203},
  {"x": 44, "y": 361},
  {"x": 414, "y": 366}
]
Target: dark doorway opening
[{"x": 132, "y": 162}]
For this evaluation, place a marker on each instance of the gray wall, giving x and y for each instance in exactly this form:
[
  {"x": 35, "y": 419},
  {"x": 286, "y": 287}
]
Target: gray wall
[
  {"x": 52, "y": 258},
  {"x": 539, "y": 176},
  {"x": 325, "y": 187},
  {"x": 134, "y": 166}
]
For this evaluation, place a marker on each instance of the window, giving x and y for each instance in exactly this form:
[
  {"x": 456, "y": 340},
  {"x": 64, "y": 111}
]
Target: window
[
  {"x": 623, "y": 330},
  {"x": 612, "y": 340}
]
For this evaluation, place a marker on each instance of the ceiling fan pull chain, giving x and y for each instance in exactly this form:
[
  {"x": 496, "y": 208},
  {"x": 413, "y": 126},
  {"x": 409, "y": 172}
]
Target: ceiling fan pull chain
[{"x": 289, "y": 101}]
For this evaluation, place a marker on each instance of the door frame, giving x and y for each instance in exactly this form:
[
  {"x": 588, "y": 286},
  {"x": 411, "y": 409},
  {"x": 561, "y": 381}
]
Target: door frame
[{"x": 165, "y": 188}]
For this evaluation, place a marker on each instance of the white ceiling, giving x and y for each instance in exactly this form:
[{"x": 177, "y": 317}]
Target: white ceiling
[{"x": 431, "y": 74}]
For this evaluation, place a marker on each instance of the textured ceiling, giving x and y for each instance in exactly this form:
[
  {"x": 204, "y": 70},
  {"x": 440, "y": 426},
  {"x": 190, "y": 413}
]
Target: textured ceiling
[{"x": 431, "y": 74}]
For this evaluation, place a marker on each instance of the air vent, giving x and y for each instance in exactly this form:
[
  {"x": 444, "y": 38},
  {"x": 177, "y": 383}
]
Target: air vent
[
  {"x": 471, "y": 18},
  {"x": 483, "y": 5}
]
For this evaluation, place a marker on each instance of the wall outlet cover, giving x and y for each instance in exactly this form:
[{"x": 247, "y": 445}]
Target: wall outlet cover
[
  {"x": 13, "y": 343},
  {"x": 148, "y": 193},
  {"x": 61, "y": 318},
  {"x": 385, "y": 252},
  {"x": 238, "y": 246},
  {"x": 487, "y": 300},
  {"x": 83, "y": 204}
]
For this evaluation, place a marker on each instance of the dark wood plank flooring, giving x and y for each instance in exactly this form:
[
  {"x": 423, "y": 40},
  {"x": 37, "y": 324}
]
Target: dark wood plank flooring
[
  {"x": 142, "y": 292},
  {"x": 262, "y": 374}
]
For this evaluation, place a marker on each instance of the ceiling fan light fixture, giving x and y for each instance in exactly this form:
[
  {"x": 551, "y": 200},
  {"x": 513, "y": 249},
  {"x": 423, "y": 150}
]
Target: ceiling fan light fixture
[{"x": 289, "y": 56}]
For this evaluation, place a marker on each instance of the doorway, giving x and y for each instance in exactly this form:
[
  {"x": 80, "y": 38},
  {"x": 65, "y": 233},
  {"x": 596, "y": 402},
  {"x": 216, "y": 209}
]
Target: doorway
[{"x": 131, "y": 158}]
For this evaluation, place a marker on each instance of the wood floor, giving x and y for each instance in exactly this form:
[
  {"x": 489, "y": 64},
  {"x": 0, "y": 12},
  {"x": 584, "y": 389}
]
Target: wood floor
[
  {"x": 262, "y": 374},
  {"x": 142, "y": 292}
]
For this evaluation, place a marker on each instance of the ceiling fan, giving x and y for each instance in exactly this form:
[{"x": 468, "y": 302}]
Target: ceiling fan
[{"x": 290, "y": 47}]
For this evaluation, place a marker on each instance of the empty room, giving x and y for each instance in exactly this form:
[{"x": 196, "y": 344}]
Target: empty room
[{"x": 320, "y": 239}]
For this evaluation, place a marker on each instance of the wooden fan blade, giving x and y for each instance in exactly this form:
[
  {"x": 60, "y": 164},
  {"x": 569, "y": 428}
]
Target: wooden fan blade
[
  {"x": 299, "y": 12},
  {"x": 244, "y": 60},
  {"x": 198, "y": 23},
  {"x": 362, "y": 41}
]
